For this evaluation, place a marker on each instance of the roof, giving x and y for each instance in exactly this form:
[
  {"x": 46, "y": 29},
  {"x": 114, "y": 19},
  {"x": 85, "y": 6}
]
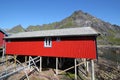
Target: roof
[
  {"x": 81, "y": 31},
  {"x": 3, "y": 31}
]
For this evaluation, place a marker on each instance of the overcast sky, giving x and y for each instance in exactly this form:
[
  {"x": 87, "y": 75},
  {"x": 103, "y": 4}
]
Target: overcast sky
[{"x": 38, "y": 12}]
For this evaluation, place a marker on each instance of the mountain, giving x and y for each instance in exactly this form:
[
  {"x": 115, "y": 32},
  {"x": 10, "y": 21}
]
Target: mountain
[
  {"x": 16, "y": 29},
  {"x": 33, "y": 28},
  {"x": 109, "y": 32}
]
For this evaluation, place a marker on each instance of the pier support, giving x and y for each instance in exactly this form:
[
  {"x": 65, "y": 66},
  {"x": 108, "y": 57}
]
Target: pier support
[
  {"x": 93, "y": 71},
  {"x": 3, "y": 54},
  {"x": 40, "y": 64},
  {"x": 25, "y": 59},
  {"x": 15, "y": 61},
  {"x": 75, "y": 69},
  {"x": 87, "y": 66},
  {"x": 56, "y": 66},
  {"x": 6, "y": 60},
  {"x": 29, "y": 63}
]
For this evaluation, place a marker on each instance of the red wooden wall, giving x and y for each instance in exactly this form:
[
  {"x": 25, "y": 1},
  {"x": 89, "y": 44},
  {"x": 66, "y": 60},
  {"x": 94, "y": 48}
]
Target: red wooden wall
[
  {"x": 82, "y": 47},
  {"x": 1, "y": 39}
]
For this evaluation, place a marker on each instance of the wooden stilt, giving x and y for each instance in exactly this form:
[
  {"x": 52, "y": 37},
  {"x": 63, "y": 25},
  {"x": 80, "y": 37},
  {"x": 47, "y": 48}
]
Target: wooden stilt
[
  {"x": 4, "y": 46},
  {"x": 75, "y": 70},
  {"x": 40, "y": 64},
  {"x": 25, "y": 59},
  {"x": 84, "y": 60},
  {"x": 87, "y": 69},
  {"x": 34, "y": 63},
  {"x": 87, "y": 66},
  {"x": 71, "y": 67},
  {"x": 6, "y": 60},
  {"x": 92, "y": 72},
  {"x": 15, "y": 61},
  {"x": 29, "y": 62},
  {"x": 56, "y": 66},
  {"x": 3, "y": 54}
]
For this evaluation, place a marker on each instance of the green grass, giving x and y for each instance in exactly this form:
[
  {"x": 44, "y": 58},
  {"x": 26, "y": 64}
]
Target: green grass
[
  {"x": 71, "y": 75},
  {"x": 115, "y": 41},
  {"x": 111, "y": 55}
]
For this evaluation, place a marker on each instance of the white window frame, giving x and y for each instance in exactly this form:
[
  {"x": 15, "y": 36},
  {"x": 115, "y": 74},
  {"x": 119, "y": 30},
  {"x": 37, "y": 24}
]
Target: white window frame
[{"x": 47, "y": 42}]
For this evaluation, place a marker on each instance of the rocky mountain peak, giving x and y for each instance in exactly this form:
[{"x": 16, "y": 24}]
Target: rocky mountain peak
[
  {"x": 17, "y": 29},
  {"x": 109, "y": 32}
]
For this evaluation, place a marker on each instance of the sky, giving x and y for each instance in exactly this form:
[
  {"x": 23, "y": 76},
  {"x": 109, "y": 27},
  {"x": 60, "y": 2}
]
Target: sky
[{"x": 39, "y": 12}]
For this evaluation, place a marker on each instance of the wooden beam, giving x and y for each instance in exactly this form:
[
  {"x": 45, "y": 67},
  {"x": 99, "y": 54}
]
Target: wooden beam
[
  {"x": 87, "y": 66},
  {"x": 15, "y": 61},
  {"x": 56, "y": 66},
  {"x": 29, "y": 62},
  {"x": 92, "y": 72},
  {"x": 3, "y": 54},
  {"x": 71, "y": 67},
  {"x": 40, "y": 64},
  {"x": 24, "y": 69},
  {"x": 6, "y": 60},
  {"x": 25, "y": 59},
  {"x": 75, "y": 70}
]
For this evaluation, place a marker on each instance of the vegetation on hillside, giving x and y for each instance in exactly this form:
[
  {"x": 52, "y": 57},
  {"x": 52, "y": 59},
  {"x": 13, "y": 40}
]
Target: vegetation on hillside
[{"x": 109, "y": 33}]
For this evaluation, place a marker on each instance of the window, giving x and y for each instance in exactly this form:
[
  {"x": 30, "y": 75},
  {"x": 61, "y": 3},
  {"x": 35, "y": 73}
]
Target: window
[{"x": 48, "y": 42}]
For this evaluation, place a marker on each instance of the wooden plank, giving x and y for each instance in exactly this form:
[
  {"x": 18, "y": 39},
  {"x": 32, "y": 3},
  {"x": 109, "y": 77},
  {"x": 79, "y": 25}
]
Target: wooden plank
[{"x": 57, "y": 66}]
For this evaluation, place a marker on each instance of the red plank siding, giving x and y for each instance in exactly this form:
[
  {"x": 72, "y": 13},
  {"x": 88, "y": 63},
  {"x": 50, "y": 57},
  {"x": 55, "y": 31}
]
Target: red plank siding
[
  {"x": 1, "y": 39},
  {"x": 66, "y": 47}
]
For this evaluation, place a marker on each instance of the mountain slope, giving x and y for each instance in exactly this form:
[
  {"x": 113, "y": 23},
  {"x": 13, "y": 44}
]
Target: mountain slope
[
  {"x": 109, "y": 32},
  {"x": 33, "y": 28},
  {"x": 16, "y": 29}
]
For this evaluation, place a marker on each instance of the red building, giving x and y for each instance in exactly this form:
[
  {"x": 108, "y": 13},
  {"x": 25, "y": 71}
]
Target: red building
[
  {"x": 2, "y": 35},
  {"x": 70, "y": 42}
]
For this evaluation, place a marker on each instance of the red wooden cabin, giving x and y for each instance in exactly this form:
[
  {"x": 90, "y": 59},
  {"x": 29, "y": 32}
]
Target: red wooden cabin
[
  {"x": 70, "y": 42},
  {"x": 2, "y": 35}
]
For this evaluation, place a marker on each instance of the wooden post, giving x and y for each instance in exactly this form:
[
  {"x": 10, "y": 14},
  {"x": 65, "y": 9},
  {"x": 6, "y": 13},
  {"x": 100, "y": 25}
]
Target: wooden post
[
  {"x": 3, "y": 54},
  {"x": 75, "y": 70},
  {"x": 15, "y": 61},
  {"x": 87, "y": 69},
  {"x": 6, "y": 60},
  {"x": 40, "y": 64},
  {"x": 87, "y": 66},
  {"x": 56, "y": 66},
  {"x": 84, "y": 60},
  {"x": 71, "y": 67},
  {"x": 29, "y": 62},
  {"x": 92, "y": 72},
  {"x": 4, "y": 46},
  {"x": 25, "y": 59}
]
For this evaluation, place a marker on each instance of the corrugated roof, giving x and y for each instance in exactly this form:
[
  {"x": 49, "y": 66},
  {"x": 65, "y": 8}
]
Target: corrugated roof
[
  {"x": 81, "y": 31},
  {"x": 3, "y": 31}
]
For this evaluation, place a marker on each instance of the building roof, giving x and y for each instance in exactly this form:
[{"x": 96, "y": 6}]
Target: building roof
[
  {"x": 81, "y": 31},
  {"x": 3, "y": 31}
]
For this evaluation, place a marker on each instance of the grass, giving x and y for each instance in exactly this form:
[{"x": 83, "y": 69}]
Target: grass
[
  {"x": 110, "y": 39},
  {"x": 115, "y": 41},
  {"x": 111, "y": 54},
  {"x": 71, "y": 75}
]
